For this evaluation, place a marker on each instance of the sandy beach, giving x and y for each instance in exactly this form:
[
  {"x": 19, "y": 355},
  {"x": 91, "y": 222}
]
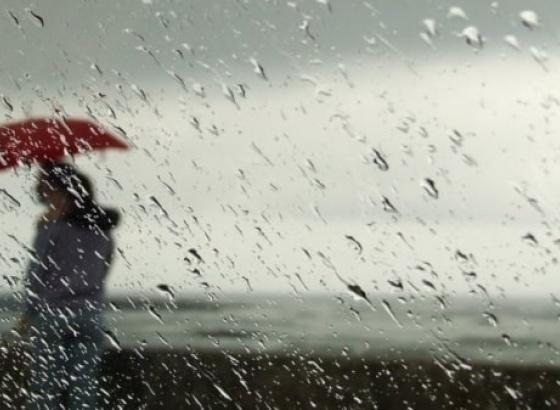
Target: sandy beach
[{"x": 171, "y": 379}]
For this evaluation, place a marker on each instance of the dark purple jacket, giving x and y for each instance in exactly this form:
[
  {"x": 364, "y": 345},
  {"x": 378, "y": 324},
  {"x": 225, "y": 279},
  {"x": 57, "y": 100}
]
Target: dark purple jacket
[{"x": 71, "y": 260}]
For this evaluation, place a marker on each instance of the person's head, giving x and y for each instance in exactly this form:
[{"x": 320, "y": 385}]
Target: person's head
[{"x": 60, "y": 185}]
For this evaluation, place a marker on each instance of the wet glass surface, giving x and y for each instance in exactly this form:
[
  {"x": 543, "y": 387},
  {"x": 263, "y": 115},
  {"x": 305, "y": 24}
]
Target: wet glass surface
[{"x": 316, "y": 182}]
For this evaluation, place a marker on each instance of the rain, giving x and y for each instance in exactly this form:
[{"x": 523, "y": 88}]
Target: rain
[{"x": 279, "y": 204}]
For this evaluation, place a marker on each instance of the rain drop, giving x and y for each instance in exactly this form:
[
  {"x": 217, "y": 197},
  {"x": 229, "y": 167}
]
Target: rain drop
[
  {"x": 470, "y": 274},
  {"x": 305, "y": 27},
  {"x": 492, "y": 319},
  {"x": 10, "y": 197},
  {"x": 241, "y": 90},
  {"x": 529, "y": 19},
  {"x": 396, "y": 284},
  {"x": 159, "y": 205},
  {"x": 430, "y": 26},
  {"x": 37, "y": 18},
  {"x": 355, "y": 244},
  {"x": 472, "y": 36},
  {"x": 195, "y": 123},
  {"x": 539, "y": 55},
  {"x": 113, "y": 340},
  {"x": 429, "y": 285},
  {"x": 319, "y": 184},
  {"x": 461, "y": 257},
  {"x": 155, "y": 314},
  {"x": 166, "y": 290},
  {"x": 379, "y": 160},
  {"x": 457, "y": 12},
  {"x": 388, "y": 206},
  {"x": 197, "y": 256},
  {"x": 230, "y": 96},
  {"x": 456, "y": 138},
  {"x": 178, "y": 78},
  {"x": 7, "y": 103},
  {"x": 141, "y": 93},
  {"x": 258, "y": 68},
  {"x": 358, "y": 291},
  {"x": 326, "y": 3},
  {"x": 530, "y": 239},
  {"x": 511, "y": 40},
  {"x": 430, "y": 188},
  {"x": 14, "y": 18},
  {"x": 387, "y": 306},
  {"x": 198, "y": 90}
]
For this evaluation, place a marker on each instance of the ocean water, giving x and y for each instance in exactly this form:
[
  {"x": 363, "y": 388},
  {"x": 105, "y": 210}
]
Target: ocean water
[{"x": 457, "y": 331}]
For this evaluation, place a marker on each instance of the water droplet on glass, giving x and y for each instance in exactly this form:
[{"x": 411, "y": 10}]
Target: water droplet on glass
[
  {"x": 387, "y": 306},
  {"x": 457, "y": 12},
  {"x": 529, "y": 19},
  {"x": 13, "y": 201},
  {"x": 167, "y": 291},
  {"x": 461, "y": 257},
  {"x": 113, "y": 340},
  {"x": 159, "y": 205},
  {"x": 472, "y": 36},
  {"x": 539, "y": 55},
  {"x": 492, "y": 319},
  {"x": 179, "y": 79},
  {"x": 357, "y": 291},
  {"x": 155, "y": 314},
  {"x": 430, "y": 188},
  {"x": 429, "y": 285},
  {"x": 326, "y": 3},
  {"x": 305, "y": 27},
  {"x": 198, "y": 90},
  {"x": 140, "y": 92},
  {"x": 388, "y": 206},
  {"x": 430, "y": 26},
  {"x": 14, "y": 19},
  {"x": 354, "y": 244},
  {"x": 379, "y": 160},
  {"x": 241, "y": 90},
  {"x": 456, "y": 138},
  {"x": 258, "y": 68},
  {"x": 223, "y": 393},
  {"x": 396, "y": 284},
  {"x": 36, "y": 18},
  {"x": 441, "y": 302},
  {"x": 318, "y": 183},
  {"x": 470, "y": 274},
  {"x": 230, "y": 96},
  {"x": 7, "y": 103},
  {"x": 512, "y": 41},
  {"x": 530, "y": 239},
  {"x": 512, "y": 392},
  {"x": 195, "y": 123},
  {"x": 196, "y": 254}
]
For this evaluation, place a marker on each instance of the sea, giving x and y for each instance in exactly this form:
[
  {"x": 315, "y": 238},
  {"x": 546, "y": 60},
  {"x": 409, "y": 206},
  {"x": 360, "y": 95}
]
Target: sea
[{"x": 463, "y": 330}]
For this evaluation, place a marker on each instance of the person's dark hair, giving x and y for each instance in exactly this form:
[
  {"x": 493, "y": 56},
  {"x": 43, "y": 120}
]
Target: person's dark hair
[
  {"x": 70, "y": 181},
  {"x": 84, "y": 211}
]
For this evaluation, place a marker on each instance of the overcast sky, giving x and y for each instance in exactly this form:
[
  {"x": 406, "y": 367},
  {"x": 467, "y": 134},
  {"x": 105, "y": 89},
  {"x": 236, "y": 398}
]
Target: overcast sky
[{"x": 265, "y": 171}]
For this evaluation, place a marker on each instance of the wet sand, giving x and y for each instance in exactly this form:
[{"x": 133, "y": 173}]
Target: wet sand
[{"x": 157, "y": 379}]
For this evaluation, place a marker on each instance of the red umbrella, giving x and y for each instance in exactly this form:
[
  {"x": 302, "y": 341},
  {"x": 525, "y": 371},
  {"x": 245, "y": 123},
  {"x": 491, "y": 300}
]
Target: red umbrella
[{"x": 45, "y": 139}]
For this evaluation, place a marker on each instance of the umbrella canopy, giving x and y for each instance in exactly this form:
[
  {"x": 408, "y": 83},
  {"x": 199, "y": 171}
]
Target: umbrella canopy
[{"x": 48, "y": 139}]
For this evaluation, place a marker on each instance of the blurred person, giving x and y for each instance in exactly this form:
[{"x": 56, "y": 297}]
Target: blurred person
[{"x": 64, "y": 297}]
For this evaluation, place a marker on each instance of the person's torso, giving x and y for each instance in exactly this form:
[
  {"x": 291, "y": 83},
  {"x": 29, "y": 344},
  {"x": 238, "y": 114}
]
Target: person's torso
[{"x": 70, "y": 264}]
